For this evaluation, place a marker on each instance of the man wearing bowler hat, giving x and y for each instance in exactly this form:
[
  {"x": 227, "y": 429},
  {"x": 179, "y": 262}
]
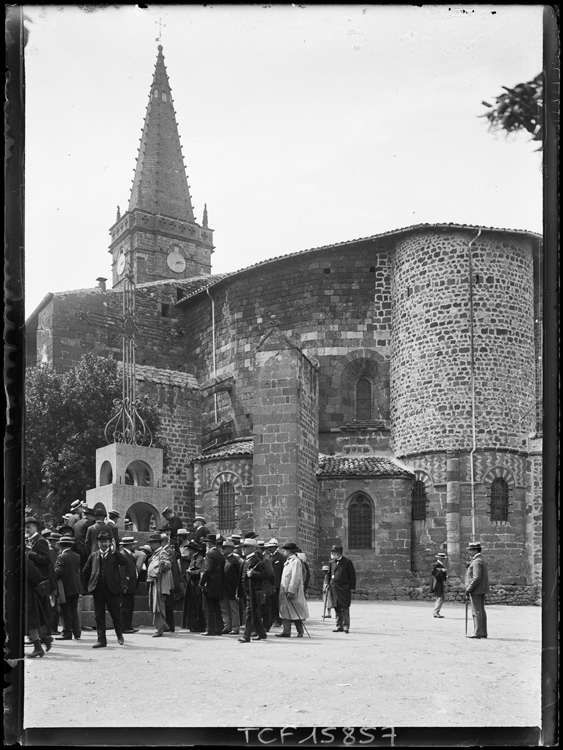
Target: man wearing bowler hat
[
  {"x": 341, "y": 581},
  {"x": 100, "y": 578},
  {"x": 438, "y": 583},
  {"x": 476, "y": 588},
  {"x": 278, "y": 561},
  {"x": 67, "y": 568},
  {"x": 173, "y": 523},
  {"x": 212, "y": 586}
]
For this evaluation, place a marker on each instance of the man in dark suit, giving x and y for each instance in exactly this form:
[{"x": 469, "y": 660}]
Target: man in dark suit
[
  {"x": 67, "y": 568},
  {"x": 341, "y": 580},
  {"x": 211, "y": 583},
  {"x": 54, "y": 550},
  {"x": 111, "y": 521},
  {"x": 278, "y": 561},
  {"x": 100, "y": 578},
  {"x": 231, "y": 578},
  {"x": 98, "y": 528},
  {"x": 173, "y": 524},
  {"x": 201, "y": 530},
  {"x": 438, "y": 579},
  {"x": 252, "y": 576},
  {"x": 476, "y": 588},
  {"x": 173, "y": 555},
  {"x": 80, "y": 530},
  {"x": 127, "y": 601}
]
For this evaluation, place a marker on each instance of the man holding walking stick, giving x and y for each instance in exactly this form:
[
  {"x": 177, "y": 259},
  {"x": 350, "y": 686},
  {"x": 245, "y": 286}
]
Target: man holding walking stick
[
  {"x": 341, "y": 580},
  {"x": 252, "y": 575},
  {"x": 293, "y": 605}
]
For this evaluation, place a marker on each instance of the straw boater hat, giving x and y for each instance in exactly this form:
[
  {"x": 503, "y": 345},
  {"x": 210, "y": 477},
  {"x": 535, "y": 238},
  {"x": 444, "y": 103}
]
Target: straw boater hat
[
  {"x": 182, "y": 532},
  {"x": 66, "y": 541},
  {"x": 75, "y": 504},
  {"x": 128, "y": 540},
  {"x": 272, "y": 543},
  {"x": 441, "y": 555},
  {"x": 200, "y": 518},
  {"x": 249, "y": 542}
]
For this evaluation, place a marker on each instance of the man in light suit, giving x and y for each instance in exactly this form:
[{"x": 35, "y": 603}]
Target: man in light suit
[
  {"x": 100, "y": 578},
  {"x": 476, "y": 588}
]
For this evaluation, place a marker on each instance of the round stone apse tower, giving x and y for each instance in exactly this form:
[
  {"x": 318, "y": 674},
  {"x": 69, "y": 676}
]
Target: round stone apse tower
[{"x": 463, "y": 393}]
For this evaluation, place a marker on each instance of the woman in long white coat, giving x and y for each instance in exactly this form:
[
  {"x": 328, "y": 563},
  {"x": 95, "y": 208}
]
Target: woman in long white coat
[{"x": 293, "y": 605}]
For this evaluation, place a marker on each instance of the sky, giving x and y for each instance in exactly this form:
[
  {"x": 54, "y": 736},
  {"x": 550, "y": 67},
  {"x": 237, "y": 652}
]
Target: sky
[{"x": 301, "y": 126}]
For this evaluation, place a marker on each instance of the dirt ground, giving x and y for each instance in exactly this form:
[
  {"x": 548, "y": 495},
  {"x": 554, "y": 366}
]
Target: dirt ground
[{"x": 398, "y": 667}]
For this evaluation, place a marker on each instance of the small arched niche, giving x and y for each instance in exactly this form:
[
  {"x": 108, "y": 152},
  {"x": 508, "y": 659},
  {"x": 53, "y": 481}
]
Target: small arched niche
[
  {"x": 143, "y": 516},
  {"x": 100, "y": 506},
  {"x": 139, "y": 474},
  {"x": 106, "y": 474}
]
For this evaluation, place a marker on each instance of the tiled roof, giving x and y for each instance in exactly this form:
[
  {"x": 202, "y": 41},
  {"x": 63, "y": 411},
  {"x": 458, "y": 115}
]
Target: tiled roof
[
  {"x": 364, "y": 424},
  {"x": 233, "y": 449},
  {"x": 191, "y": 285},
  {"x": 382, "y": 235},
  {"x": 361, "y": 465}
]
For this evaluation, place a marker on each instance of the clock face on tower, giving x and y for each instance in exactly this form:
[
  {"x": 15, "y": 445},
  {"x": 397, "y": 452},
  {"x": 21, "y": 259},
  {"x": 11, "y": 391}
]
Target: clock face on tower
[
  {"x": 176, "y": 261},
  {"x": 120, "y": 264}
]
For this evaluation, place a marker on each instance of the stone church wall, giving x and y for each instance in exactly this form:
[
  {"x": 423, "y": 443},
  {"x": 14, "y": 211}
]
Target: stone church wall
[{"x": 430, "y": 365}]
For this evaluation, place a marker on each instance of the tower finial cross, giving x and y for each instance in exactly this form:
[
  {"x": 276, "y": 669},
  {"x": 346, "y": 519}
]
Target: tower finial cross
[{"x": 160, "y": 25}]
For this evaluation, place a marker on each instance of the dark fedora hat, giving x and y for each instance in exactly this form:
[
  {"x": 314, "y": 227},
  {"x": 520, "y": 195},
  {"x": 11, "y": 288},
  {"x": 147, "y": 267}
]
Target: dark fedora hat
[
  {"x": 474, "y": 545},
  {"x": 66, "y": 529},
  {"x": 156, "y": 537},
  {"x": 104, "y": 535},
  {"x": 250, "y": 535},
  {"x": 55, "y": 536},
  {"x": 211, "y": 538},
  {"x": 193, "y": 545},
  {"x": 291, "y": 546},
  {"x": 99, "y": 512},
  {"x": 31, "y": 519},
  {"x": 336, "y": 548}
]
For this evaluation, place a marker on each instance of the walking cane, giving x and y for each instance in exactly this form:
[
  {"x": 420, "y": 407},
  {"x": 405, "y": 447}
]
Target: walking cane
[
  {"x": 466, "y": 608},
  {"x": 251, "y": 595},
  {"x": 297, "y": 616},
  {"x": 324, "y": 609}
]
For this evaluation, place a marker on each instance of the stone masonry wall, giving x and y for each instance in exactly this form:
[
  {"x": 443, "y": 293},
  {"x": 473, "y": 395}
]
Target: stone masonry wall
[
  {"x": 388, "y": 563},
  {"x": 285, "y": 444},
  {"x": 331, "y": 303},
  {"x": 209, "y": 475},
  {"x": 179, "y": 407},
  {"x": 430, "y": 365}
]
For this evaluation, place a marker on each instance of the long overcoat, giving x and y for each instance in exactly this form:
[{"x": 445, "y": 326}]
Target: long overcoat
[
  {"x": 67, "y": 569},
  {"x": 341, "y": 579},
  {"x": 211, "y": 581},
  {"x": 477, "y": 576},
  {"x": 292, "y": 582},
  {"x": 36, "y": 613}
]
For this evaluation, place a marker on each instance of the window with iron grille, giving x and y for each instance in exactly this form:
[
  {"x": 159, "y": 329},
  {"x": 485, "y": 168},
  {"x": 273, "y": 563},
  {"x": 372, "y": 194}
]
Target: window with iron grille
[
  {"x": 360, "y": 523},
  {"x": 499, "y": 500},
  {"x": 363, "y": 399},
  {"x": 226, "y": 507},
  {"x": 418, "y": 505}
]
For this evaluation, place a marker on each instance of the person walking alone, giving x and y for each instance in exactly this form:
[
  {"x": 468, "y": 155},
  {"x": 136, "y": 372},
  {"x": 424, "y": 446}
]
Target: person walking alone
[{"x": 438, "y": 583}]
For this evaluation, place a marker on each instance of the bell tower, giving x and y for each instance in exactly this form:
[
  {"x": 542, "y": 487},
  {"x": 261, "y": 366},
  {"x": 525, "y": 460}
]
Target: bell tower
[{"x": 158, "y": 233}]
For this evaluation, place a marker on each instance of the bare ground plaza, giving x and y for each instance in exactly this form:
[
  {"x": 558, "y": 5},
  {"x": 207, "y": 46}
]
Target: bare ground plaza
[{"x": 398, "y": 666}]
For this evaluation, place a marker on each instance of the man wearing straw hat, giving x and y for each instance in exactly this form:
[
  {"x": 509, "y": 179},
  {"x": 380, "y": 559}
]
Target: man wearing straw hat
[
  {"x": 252, "y": 573},
  {"x": 127, "y": 601},
  {"x": 438, "y": 583}
]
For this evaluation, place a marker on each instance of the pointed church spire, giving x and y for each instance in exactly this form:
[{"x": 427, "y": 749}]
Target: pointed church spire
[
  {"x": 160, "y": 185},
  {"x": 205, "y": 223}
]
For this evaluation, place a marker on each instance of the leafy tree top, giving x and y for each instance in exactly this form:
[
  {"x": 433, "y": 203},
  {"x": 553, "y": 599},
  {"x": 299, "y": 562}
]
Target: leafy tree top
[{"x": 519, "y": 109}]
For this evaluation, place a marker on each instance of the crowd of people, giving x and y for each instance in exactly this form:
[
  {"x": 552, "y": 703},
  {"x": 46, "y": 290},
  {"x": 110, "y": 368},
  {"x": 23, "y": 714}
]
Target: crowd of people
[{"x": 238, "y": 585}]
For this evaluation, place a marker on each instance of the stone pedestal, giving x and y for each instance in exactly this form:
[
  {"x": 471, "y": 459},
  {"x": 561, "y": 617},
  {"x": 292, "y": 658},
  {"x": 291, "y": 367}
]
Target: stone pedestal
[{"x": 129, "y": 480}]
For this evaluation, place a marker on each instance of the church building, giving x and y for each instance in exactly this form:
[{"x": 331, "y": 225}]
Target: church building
[{"x": 383, "y": 392}]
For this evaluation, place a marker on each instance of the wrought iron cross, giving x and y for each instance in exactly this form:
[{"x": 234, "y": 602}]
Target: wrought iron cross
[{"x": 127, "y": 425}]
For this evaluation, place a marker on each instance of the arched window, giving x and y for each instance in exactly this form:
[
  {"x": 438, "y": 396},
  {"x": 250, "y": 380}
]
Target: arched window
[
  {"x": 164, "y": 97},
  {"x": 499, "y": 500},
  {"x": 226, "y": 507},
  {"x": 363, "y": 399},
  {"x": 418, "y": 505},
  {"x": 360, "y": 523}
]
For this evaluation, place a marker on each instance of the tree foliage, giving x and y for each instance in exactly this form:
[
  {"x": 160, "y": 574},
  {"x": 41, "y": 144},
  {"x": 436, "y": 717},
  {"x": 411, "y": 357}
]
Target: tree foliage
[
  {"x": 519, "y": 109},
  {"x": 65, "y": 417}
]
